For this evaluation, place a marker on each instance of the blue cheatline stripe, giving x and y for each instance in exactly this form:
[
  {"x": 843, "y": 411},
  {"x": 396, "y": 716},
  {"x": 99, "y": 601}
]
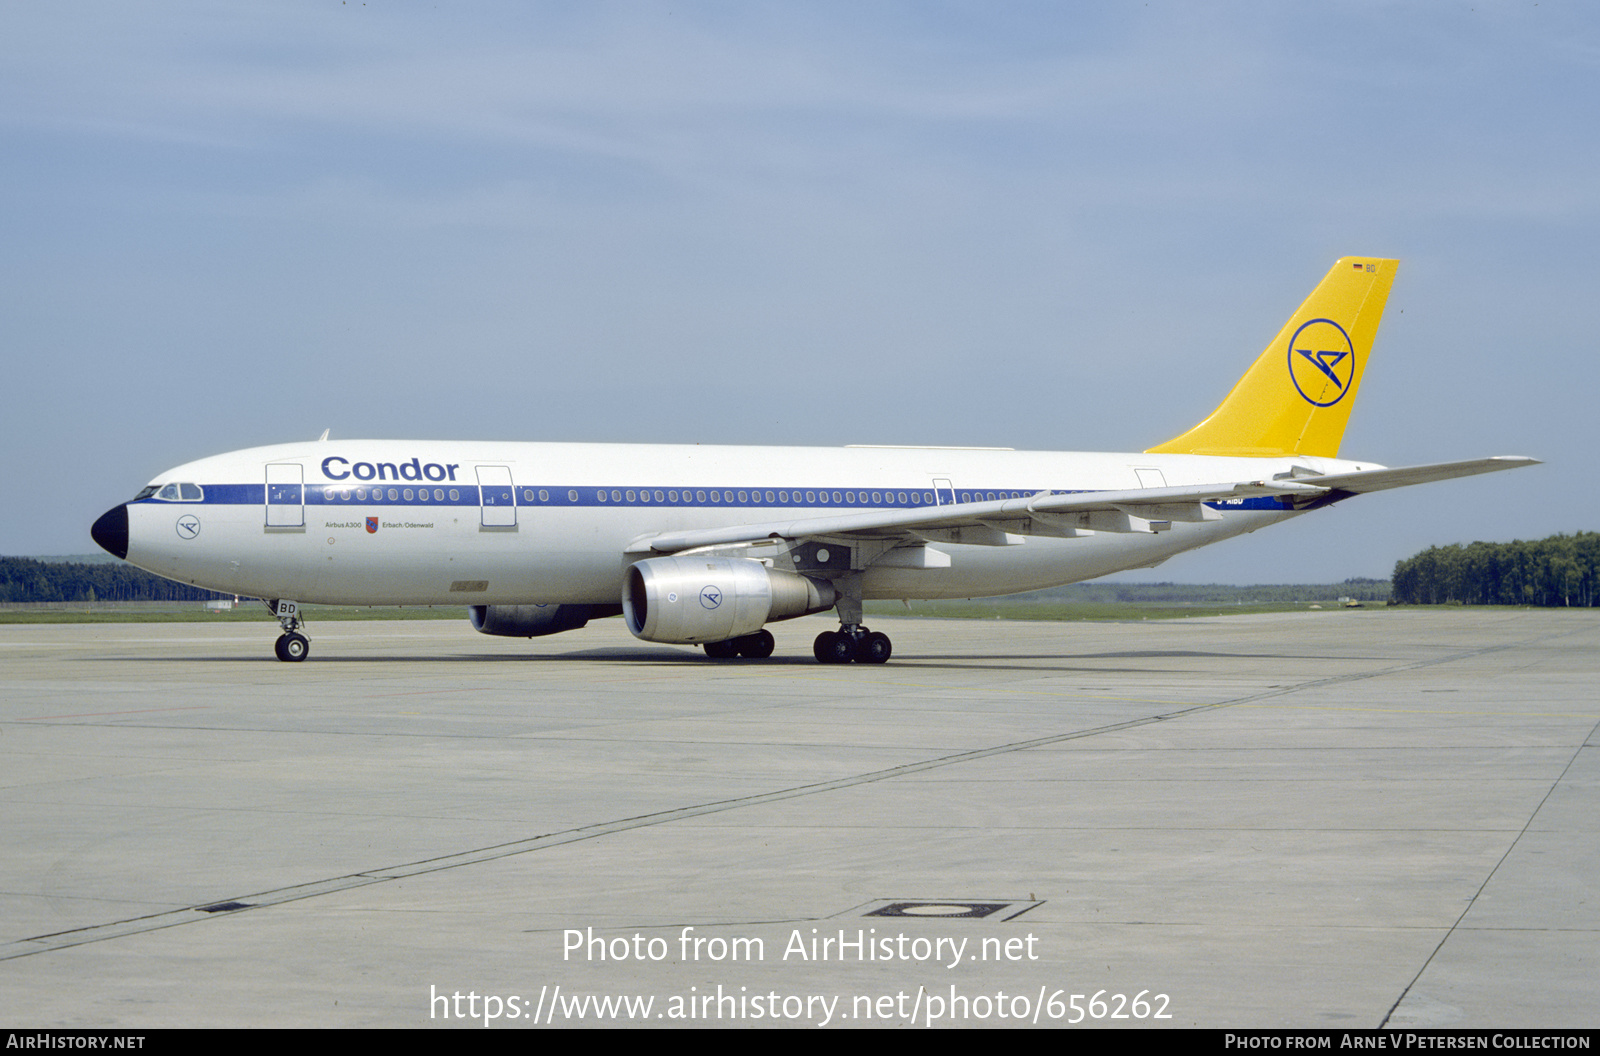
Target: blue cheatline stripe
[
  {"x": 560, "y": 496},
  {"x": 588, "y": 495}
]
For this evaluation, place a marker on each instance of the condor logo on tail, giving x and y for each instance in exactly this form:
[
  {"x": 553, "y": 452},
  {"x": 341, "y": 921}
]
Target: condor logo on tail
[{"x": 1322, "y": 361}]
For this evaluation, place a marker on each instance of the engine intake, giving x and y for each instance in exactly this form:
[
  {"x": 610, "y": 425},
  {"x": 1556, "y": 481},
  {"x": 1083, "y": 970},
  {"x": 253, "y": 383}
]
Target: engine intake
[{"x": 713, "y": 599}]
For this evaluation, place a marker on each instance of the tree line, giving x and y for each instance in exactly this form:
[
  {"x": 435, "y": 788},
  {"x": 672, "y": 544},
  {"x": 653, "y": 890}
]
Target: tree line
[
  {"x": 1563, "y": 570},
  {"x": 26, "y": 580}
]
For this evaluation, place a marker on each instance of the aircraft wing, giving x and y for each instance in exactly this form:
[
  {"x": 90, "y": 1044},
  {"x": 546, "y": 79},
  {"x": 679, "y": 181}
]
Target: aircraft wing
[
  {"x": 1181, "y": 503},
  {"x": 1137, "y": 509}
]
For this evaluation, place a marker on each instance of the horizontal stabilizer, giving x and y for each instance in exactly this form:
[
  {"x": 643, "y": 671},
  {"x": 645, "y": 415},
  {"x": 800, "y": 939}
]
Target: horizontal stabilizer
[{"x": 1384, "y": 479}]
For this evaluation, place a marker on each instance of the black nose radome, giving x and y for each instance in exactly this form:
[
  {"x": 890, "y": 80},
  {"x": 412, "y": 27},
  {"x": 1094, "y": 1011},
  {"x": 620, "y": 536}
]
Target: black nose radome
[{"x": 111, "y": 531}]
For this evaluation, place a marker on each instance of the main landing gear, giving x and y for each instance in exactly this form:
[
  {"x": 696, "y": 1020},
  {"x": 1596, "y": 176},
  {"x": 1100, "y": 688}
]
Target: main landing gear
[
  {"x": 292, "y": 646},
  {"x": 757, "y": 646},
  {"x": 852, "y": 643},
  {"x": 831, "y": 647}
]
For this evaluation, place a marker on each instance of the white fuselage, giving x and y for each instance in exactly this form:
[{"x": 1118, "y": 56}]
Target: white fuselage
[{"x": 382, "y": 522}]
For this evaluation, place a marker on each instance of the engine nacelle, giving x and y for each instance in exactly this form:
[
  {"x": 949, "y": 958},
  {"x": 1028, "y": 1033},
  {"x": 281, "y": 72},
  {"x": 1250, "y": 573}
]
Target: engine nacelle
[
  {"x": 533, "y": 621},
  {"x": 712, "y": 599}
]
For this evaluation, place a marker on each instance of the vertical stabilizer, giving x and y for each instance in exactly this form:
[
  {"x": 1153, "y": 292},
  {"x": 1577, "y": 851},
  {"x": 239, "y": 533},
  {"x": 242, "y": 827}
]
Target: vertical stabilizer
[{"x": 1297, "y": 397}]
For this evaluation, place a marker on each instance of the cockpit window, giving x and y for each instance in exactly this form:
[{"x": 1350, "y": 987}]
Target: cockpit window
[
  {"x": 176, "y": 493},
  {"x": 145, "y": 493}
]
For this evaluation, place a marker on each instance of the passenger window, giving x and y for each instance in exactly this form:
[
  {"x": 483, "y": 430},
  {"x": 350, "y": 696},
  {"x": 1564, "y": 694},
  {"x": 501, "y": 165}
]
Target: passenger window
[
  {"x": 454, "y": 494},
  {"x": 544, "y": 496}
]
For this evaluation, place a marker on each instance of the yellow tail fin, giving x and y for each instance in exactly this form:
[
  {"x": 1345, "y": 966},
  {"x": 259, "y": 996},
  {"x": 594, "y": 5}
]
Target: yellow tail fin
[{"x": 1297, "y": 397}]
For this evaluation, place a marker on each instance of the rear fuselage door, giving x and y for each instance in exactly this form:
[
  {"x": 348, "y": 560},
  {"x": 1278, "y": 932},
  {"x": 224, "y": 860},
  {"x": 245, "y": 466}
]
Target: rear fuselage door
[
  {"x": 497, "y": 497},
  {"x": 1151, "y": 478},
  {"x": 286, "y": 504}
]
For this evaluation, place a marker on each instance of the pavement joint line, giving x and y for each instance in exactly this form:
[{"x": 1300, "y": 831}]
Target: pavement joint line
[
  {"x": 1460, "y": 921},
  {"x": 193, "y": 914}
]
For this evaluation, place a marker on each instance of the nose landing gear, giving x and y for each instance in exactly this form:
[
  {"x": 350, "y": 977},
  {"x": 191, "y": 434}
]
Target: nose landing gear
[{"x": 292, "y": 646}]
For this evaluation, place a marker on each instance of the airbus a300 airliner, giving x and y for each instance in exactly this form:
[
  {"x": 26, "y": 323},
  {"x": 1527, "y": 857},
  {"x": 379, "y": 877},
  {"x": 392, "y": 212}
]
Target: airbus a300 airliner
[{"x": 708, "y": 545}]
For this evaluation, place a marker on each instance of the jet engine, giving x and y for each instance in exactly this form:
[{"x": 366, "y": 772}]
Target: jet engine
[
  {"x": 713, "y": 599},
  {"x": 533, "y": 621}
]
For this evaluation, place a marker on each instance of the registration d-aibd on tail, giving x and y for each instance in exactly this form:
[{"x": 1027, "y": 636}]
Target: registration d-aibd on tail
[{"x": 707, "y": 545}]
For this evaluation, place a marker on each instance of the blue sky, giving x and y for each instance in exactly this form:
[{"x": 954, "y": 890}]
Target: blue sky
[{"x": 1041, "y": 225}]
